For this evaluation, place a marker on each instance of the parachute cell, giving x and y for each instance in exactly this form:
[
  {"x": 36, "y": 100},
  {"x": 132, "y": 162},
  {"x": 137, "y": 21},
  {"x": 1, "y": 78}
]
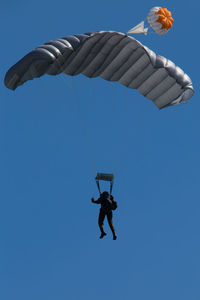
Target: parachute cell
[{"x": 111, "y": 55}]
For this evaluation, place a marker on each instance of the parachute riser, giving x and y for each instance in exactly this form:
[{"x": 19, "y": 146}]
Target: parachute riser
[
  {"x": 104, "y": 177},
  {"x": 98, "y": 186}
]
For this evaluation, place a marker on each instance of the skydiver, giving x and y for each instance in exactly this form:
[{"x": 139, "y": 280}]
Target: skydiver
[{"x": 107, "y": 205}]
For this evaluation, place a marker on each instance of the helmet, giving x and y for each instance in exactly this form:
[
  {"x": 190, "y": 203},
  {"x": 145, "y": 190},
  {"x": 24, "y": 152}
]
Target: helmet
[{"x": 104, "y": 194}]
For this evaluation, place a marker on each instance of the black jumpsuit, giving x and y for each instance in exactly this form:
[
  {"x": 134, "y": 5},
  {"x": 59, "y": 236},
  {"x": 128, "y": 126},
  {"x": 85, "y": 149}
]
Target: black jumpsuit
[{"x": 105, "y": 210}]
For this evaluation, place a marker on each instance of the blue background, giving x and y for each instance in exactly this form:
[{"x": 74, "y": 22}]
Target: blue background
[{"x": 57, "y": 132}]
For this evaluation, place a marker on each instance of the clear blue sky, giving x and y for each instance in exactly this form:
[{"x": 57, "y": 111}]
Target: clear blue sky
[{"x": 56, "y": 132}]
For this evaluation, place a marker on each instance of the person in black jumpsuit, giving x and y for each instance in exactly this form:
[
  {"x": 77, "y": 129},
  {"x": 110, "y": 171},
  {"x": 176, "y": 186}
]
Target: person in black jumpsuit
[{"x": 107, "y": 205}]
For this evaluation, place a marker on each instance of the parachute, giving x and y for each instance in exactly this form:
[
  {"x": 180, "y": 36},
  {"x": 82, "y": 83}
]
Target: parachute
[
  {"x": 160, "y": 20},
  {"x": 113, "y": 56}
]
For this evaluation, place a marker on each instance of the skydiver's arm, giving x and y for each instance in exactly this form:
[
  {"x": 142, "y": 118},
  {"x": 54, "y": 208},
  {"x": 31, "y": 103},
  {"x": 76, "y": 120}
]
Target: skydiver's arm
[{"x": 95, "y": 201}]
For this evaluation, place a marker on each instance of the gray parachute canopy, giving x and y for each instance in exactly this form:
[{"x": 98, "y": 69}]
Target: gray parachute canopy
[{"x": 111, "y": 55}]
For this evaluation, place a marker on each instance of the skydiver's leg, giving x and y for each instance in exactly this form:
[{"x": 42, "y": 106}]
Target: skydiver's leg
[
  {"x": 100, "y": 222},
  {"x": 109, "y": 218}
]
